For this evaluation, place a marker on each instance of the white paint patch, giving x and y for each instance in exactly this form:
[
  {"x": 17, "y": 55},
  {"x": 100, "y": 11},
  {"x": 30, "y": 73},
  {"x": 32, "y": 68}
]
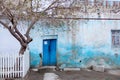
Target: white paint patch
[
  {"x": 51, "y": 76},
  {"x": 71, "y": 69},
  {"x": 45, "y": 42},
  {"x": 35, "y": 69}
]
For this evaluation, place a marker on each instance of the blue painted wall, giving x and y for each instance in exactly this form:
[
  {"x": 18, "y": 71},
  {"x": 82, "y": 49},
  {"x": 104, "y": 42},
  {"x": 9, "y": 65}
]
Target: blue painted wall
[{"x": 79, "y": 44}]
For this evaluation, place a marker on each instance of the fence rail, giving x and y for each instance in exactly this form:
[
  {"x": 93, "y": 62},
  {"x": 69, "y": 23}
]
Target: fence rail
[{"x": 14, "y": 65}]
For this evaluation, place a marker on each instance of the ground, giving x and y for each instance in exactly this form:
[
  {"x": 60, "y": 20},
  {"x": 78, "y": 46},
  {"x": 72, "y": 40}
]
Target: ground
[{"x": 73, "y": 75}]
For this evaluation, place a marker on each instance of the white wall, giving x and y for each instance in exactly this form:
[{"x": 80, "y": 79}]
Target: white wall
[{"x": 7, "y": 42}]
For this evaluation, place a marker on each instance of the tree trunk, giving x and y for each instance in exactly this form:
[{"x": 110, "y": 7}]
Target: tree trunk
[{"x": 22, "y": 49}]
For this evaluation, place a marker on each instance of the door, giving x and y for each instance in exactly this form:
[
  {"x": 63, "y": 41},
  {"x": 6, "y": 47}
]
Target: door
[{"x": 49, "y": 52}]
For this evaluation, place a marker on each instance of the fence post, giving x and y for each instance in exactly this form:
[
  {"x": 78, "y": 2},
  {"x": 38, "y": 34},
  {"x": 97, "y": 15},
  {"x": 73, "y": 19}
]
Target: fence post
[{"x": 23, "y": 65}]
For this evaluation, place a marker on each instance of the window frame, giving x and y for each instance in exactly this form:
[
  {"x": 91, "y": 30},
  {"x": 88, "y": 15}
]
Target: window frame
[{"x": 115, "y": 38}]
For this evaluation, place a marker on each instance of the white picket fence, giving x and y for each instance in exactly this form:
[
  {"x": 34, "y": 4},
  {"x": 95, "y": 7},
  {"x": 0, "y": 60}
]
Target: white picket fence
[{"x": 14, "y": 65}]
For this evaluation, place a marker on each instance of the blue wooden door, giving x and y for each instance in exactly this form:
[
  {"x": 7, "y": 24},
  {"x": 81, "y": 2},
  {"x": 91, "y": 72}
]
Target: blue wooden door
[
  {"x": 49, "y": 52},
  {"x": 53, "y": 52}
]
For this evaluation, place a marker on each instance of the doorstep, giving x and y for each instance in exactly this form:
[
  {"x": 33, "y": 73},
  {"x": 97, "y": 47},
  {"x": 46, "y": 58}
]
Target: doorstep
[
  {"x": 45, "y": 67},
  {"x": 71, "y": 69},
  {"x": 49, "y": 68}
]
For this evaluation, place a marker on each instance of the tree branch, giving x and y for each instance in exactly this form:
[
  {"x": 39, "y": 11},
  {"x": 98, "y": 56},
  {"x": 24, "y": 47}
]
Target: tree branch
[
  {"x": 18, "y": 32},
  {"x": 16, "y": 36},
  {"x": 29, "y": 28},
  {"x": 7, "y": 12},
  {"x": 5, "y": 25},
  {"x": 34, "y": 21},
  {"x": 50, "y": 6}
]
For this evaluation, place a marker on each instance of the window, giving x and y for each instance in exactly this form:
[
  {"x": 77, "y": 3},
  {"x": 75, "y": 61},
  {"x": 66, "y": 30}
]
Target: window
[{"x": 115, "y": 38}]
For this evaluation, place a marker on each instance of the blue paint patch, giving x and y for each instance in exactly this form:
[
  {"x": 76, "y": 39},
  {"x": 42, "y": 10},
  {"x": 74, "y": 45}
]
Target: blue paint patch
[
  {"x": 34, "y": 58},
  {"x": 83, "y": 56}
]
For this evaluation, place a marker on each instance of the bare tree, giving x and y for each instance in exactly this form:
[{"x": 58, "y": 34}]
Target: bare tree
[{"x": 13, "y": 11}]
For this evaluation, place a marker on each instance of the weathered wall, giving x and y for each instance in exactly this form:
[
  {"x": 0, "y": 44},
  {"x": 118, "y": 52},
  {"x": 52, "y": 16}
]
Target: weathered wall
[{"x": 79, "y": 44}]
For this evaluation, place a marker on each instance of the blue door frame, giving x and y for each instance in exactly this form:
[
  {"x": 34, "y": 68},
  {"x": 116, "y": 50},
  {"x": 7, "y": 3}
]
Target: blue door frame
[{"x": 49, "y": 52}]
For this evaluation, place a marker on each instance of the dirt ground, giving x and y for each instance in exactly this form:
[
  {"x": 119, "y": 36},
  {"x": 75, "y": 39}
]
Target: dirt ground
[{"x": 73, "y": 75}]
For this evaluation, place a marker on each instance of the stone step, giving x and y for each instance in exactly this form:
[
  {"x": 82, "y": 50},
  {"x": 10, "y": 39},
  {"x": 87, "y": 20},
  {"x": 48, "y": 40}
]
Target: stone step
[
  {"x": 98, "y": 68},
  {"x": 114, "y": 72},
  {"x": 48, "y": 68},
  {"x": 71, "y": 69},
  {"x": 44, "y": 67}
]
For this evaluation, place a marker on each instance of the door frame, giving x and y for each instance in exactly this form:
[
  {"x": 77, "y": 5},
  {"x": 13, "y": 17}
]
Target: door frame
[{"x": 45, "y": 37}]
